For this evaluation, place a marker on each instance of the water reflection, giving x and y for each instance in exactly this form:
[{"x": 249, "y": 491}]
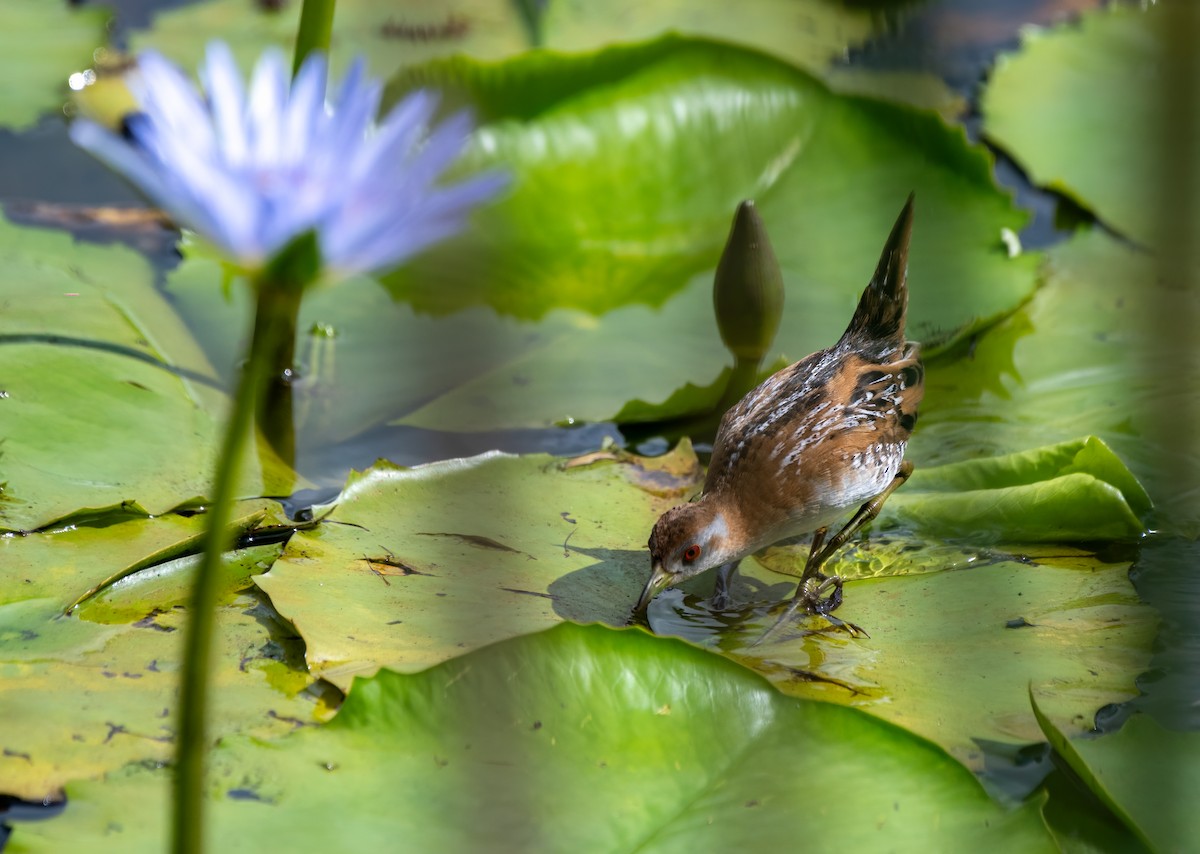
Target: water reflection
[{"x": 737, "y": 628}]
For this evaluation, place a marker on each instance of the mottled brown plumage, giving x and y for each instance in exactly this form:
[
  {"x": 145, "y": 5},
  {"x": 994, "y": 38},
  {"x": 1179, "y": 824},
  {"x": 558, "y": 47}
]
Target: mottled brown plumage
[{"x": 812, "y": 441}]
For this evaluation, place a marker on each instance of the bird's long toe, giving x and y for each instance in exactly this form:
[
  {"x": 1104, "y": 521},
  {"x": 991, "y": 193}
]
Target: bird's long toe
[
  {"x": 816, "y": 604},
  {"x": 852, "y": 629}
]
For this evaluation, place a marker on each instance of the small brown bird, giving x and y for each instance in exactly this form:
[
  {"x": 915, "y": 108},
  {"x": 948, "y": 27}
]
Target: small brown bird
[{"x": 815, "y": 439}]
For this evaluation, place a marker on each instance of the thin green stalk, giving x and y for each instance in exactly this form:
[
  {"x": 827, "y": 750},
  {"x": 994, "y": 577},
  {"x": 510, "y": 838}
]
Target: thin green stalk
[
  {"x": 316, "y": 29},
  {"x": 192, "y": 744},
  {"x": 275, "y": 406}
]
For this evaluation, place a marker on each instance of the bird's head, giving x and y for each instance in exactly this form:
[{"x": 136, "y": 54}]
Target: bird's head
[{"x": 686, "y": 541}]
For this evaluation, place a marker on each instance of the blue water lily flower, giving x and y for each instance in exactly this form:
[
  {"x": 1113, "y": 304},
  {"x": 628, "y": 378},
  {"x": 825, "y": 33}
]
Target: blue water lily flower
[{"x": 251, "y": 171}]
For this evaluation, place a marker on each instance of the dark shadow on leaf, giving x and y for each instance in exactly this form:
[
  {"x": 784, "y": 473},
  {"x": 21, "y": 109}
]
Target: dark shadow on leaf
[{"x": 606, "y": 591}]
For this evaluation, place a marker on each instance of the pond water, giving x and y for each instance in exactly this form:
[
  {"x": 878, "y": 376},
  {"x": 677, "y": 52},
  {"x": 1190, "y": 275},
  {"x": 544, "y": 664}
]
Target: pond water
[{"x": 955, "y": 40}]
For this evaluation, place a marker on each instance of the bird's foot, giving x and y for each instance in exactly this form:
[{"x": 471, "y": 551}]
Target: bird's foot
[
  {"x": 813, "y": 603},
  {"x": 852, "y": 629},
  {"x": 811, "y": 600}
]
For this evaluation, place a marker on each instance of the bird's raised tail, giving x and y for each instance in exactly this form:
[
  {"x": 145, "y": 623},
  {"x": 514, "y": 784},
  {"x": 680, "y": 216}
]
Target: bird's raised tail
[{"x": 878, "y": 322}]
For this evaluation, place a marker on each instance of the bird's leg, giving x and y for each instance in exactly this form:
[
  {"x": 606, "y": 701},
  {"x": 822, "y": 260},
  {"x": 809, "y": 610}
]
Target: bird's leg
[
  {"x": 864, "y": 515},
  {"x": 720, "y": 595},
  {"x": 811, "y": 600},
  {"x": 812, "y": 566}
]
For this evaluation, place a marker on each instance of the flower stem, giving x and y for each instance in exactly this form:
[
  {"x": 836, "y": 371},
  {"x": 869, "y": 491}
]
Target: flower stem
[
  {"x": 316, "y": 29},
  {"x": 192, "y": 740},
  {"x": 275, "y": 410}
]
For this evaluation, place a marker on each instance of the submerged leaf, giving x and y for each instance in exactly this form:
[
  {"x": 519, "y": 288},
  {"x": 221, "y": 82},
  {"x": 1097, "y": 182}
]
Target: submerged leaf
[{"x": 579, "y": 738}]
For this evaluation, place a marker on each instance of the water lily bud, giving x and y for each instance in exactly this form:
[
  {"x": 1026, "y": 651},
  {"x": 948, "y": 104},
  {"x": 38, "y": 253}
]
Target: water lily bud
[{"x": 748, "y": 287}]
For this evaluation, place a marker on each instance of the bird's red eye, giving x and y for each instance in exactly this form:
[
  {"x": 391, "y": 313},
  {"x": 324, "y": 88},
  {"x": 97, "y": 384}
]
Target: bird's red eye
[{"x": 691, "y": 553}]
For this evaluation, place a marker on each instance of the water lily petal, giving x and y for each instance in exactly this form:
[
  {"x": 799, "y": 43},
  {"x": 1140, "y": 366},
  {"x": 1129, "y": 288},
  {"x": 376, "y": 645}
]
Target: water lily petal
[
  {"x": 268, "y": 92},
  {"x": 251, "y": 168},
  {"x": 305, "y": 108},
  {"x": 164, "y": 92},
  {"x": 227, "y": 101}
]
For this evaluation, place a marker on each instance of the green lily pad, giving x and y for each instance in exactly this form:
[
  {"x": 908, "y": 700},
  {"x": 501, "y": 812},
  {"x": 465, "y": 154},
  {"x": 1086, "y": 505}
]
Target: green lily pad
[
  {"x": 568, "y": 367},
  {"x": 650, "y": 204},
  {"x": 36, "y": 630},
  {"x": 950, "y": 653},
  {"x": 576, "y": 738},
  {"x": 85, "y": 694},
  {"x": 72, "y": 564},
  {"x": 1144, "y": 773},
  {"x": 167, "y": 585},
  {"x": 1080, "y": 358},
  {"x": 1077, "y": 490},
  {"x": 159, "y": 574},
  {"x": 80, "y": 700},
  {"x": 483, "y": 549},
  {"x": 919, "y": 89},
  {"x": 609, "y": 206},
  {"x": 415, "y": 566},
  {"x": 109, "y": 404},
  {"x": 650, "y": 211},
  {"x": 403, "y": 33},
  {"x": 42, "y": 44},
  {"x": 1082, "y": 824},
  {"x": 1107, "y": 151}
]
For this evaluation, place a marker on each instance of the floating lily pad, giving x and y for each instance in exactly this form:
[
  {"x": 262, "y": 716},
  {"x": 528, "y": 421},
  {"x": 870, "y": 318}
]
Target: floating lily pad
[
  {"x": 565, "y": 368},
  {"x": 1077, "y": 490},
  {"x": 67, "y": 563},
  {"x": 650, "y": 207},
  {"x": 31, "y": 630},
  {"x": 41, "y": 45},
  {"x": 576, "y": 738},
  {"x": 403, "y": 33},
  {"x": 950, "y": 653},
  {"x": 625, "y": 184},
  {"x": 415, "y": 566},
  {"x": 81, "y": 698},
  {"x": 1082, "y": 357},
  {"x": 1144, "y": 773},
  {"x": 109, "y": 404},
  {"x": 919, "y": 89},
  {"x": 169, "y": 585},
  {"x": 96, "y": 697},
  {"x": 1111, "y": 150}
]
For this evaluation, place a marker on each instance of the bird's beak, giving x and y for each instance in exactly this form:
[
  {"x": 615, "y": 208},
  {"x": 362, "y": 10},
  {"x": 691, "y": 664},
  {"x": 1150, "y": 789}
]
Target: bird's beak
[{"x": 659, "y": 578}]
